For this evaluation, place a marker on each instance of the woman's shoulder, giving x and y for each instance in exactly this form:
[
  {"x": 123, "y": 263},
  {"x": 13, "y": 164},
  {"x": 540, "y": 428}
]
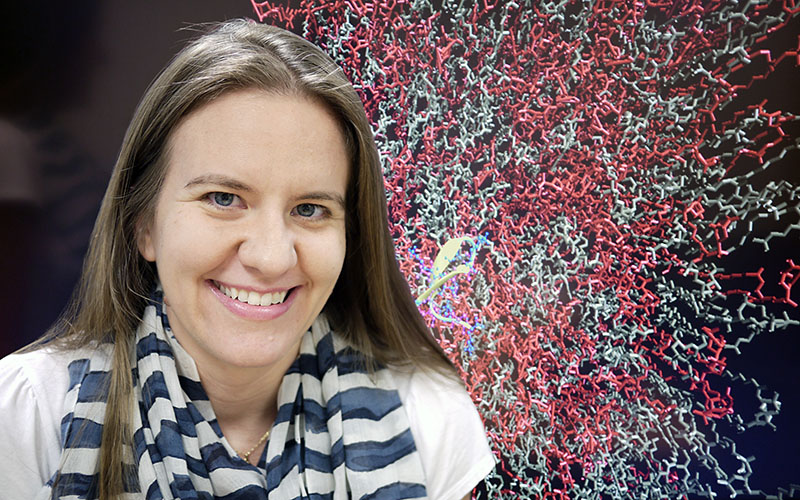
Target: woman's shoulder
[
  {"x": 39, "y": 379},
  {"x": 417, "y": 383},
  {"x": 436, "y": 397},
  {"x": 34, "y": 371},
  {"x": 47, "y": 370},
  {"x": 447, "y": 430},
  {"x": 33, "y": 388}
]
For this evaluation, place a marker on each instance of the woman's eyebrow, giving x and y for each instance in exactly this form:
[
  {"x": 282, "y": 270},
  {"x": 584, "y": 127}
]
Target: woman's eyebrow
[
  {"x": 219, "y": 180},
  {"x": 323, "y": 195}
]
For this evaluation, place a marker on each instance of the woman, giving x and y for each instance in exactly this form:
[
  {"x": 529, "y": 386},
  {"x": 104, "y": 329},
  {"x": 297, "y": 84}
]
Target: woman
[{"x": 241, "y": 329}]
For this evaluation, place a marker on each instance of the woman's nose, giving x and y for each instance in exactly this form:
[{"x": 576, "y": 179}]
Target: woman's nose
[{"x": 268, "y": 247}]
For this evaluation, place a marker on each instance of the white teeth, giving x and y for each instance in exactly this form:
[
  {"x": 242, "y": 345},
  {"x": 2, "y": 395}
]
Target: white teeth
[
  {"x": 272, "y": 298},
  {"x": 253, "y": 298}
]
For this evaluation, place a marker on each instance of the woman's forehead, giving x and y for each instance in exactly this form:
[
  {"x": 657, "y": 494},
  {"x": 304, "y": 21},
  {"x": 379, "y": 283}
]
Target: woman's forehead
[{"x": 249, "y": 133}]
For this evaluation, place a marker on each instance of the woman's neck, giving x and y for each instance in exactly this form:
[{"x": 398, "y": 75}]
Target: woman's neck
[
  {"x": 243, "y": 395},
  {"x": 245, "y": 402}
]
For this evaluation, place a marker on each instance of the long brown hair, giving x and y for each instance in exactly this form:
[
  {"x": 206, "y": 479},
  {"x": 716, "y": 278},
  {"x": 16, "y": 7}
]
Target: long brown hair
[{"x": 371, "y": 304}]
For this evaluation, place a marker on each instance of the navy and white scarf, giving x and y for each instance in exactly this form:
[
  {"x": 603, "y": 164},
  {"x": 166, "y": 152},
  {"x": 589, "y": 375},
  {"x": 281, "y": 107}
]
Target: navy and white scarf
[{"x": 340, "y": 433}]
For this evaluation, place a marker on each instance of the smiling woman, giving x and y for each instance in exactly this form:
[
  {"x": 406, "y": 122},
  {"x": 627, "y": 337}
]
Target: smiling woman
[{"x": 241, "y": 329}]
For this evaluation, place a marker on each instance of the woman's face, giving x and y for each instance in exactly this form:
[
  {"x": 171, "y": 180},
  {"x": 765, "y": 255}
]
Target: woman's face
[{"x": 248, "y": 234}]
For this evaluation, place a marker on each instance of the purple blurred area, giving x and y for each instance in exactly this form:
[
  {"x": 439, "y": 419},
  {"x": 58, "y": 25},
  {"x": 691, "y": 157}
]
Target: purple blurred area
[{"x": 71, "y": 77}]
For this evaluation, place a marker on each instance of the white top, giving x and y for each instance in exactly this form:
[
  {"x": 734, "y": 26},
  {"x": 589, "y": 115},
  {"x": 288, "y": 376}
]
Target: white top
[{"x": 446, "y": 427}]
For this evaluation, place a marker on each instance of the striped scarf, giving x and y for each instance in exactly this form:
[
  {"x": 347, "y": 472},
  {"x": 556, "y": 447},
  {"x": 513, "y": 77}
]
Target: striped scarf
[{"x": 340, "y": 433}]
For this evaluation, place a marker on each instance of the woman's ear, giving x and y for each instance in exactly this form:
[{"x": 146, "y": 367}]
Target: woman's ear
[{"x": 144, "y": 240}]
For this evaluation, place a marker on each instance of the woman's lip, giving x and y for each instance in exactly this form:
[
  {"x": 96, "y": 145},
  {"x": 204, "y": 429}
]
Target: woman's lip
[{"x": 248, "y": 311}]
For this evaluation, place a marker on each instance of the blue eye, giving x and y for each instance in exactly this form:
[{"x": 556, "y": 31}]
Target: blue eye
[
  {"x": 223, "y": 199},
  {"x": 306, "y": 209},
  {"x": 311, "y": 211}
]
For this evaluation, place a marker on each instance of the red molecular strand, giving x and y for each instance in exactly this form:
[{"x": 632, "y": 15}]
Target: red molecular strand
[
  {"x": 788, "y": 278},
  {"x": 591, "y": 147}
]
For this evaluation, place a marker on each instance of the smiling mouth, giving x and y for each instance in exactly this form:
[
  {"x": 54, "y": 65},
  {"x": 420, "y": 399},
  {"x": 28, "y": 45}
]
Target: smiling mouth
[{"x": 253, "y": 298}]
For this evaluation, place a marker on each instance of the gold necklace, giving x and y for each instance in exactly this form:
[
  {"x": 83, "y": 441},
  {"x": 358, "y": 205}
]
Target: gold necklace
[{"x": 246, "y": 456}]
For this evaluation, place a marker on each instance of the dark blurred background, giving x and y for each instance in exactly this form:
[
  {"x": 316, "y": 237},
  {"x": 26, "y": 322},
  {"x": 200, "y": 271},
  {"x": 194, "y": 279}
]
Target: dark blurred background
[{"x": 70, "y": 77}]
